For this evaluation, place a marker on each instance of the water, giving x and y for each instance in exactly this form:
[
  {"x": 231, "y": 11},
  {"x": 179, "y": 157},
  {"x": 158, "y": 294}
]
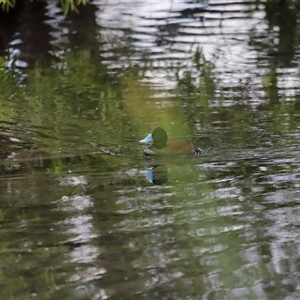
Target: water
[{"x": 83, "y": 216}]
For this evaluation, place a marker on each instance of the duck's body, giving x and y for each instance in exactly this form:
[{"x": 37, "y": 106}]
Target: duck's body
[{"x": 161, "y": 145}]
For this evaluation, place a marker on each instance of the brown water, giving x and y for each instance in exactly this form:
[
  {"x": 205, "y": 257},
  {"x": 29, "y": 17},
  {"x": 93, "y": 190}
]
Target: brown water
[{"x": 80, "y": 217}]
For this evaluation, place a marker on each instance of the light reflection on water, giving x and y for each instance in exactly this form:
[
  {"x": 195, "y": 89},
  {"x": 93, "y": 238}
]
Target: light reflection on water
[{"x": 221, "y": 30}]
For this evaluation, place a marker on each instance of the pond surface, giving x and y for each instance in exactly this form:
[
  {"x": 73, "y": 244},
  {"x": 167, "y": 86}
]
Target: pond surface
[{"x": 84, "y": 216}]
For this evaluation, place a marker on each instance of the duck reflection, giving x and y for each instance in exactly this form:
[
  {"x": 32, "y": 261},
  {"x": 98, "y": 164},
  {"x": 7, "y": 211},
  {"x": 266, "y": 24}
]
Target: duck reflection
[{"x": 156, "y": 174}]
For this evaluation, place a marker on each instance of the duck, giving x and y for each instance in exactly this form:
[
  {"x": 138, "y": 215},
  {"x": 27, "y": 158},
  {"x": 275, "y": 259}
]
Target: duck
[{"x": 161, "y": 146}]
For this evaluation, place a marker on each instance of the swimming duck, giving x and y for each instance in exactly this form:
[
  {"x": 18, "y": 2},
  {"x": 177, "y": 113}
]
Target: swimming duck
[{"x": 160, "y": 144}]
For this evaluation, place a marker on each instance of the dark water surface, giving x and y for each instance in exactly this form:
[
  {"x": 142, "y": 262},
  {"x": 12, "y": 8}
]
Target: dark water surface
[{"x": 79, "y": 216}]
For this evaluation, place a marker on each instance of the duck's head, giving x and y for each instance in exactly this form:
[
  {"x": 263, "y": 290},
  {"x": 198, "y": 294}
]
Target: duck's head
[{"x": 158, "y": 137}]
